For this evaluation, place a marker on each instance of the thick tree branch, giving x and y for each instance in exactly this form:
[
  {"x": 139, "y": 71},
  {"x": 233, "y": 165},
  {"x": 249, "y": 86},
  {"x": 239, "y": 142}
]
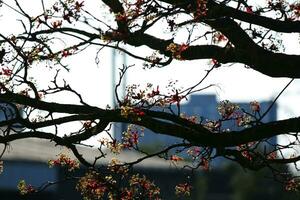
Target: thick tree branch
[
  {"x": 216, "y": 10},
  {"x": 51, "y": 107},
  {"x": 35, "y": 125},
  {"x": 88, "y": 132},
  {"x": 163, "y": 123},
  {"x": 247, "y": 52},
  {"x": 220, "y": 10}
]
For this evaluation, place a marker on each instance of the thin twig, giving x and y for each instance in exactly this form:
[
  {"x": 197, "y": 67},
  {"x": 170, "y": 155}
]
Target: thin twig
[{"x": 272, "y": 104}]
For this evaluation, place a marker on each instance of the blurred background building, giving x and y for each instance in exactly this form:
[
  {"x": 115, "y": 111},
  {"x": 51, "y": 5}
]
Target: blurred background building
[{"x": 28, "y": 160}]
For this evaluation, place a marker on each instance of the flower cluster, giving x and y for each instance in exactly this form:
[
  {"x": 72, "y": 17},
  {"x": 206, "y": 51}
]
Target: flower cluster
[
  {"x": 87, "y": 124},
  {"x": 6, "y": 72},
  {"x": 127, "y": 194},
  {"x": 215, "y": 63},
  {"x": 37, "y": 118},
  {"x": 277, "y": 4},
  {"x": 249, "y": 9},
  {"x": 254, "y": 106},
  {"x": 245, "y": 150},
  {"x": 231, "y": 111},
  {"x": 141, "y": 185},
  {"x": 194, "y": 152},
  {"x": 292, "y": 185},
  {"x": 175, "y": 98},
  {"x": 133, "y": 10},
  {"x": 201, "y": 9},
  {"x": 25, "y": 188},
  {"x": 117, "y": 167},
  {"x": 243, "y": 120},
  {"x": 197, "y": 155},
  {"x": 212, "y": 125},
  {"x": 218, "y": 37},
  {"x": 152, "y": 61},
  {"x": 193, "y": 119},
  {"x": 291, "y": 10},
  {"x": 113, "y": 145},
  {"x": 176, "y": 158},
  {"x": 1, "y": 166},
  {"x": 135, "y": 113},
  {"x": 68, "y": 10},
  {"x": 56, "y": 24},
  {"x": 90, "y": 186},
  {"x": 246, "y": 154},
  {"x": 177, "y": 50},
  {"x": 64, "y": 161},
  {"x": 272, "y": 155},
  {"x": 204, "y": 163},
  {"x": 149, "y": 97},
  {"x": 68, "y": 52},
  {"x": 183, "y": 189},
  {"x": 95, "y": 186},
  {"x": 296, "y": 10},
  {"x": 122, "y": 17},
  {"x": 34, "y": 54},
  {"x": 226, "y": 109},
  {"x": 29, "y": 93},
  {"x": 131, "y": 136}
]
